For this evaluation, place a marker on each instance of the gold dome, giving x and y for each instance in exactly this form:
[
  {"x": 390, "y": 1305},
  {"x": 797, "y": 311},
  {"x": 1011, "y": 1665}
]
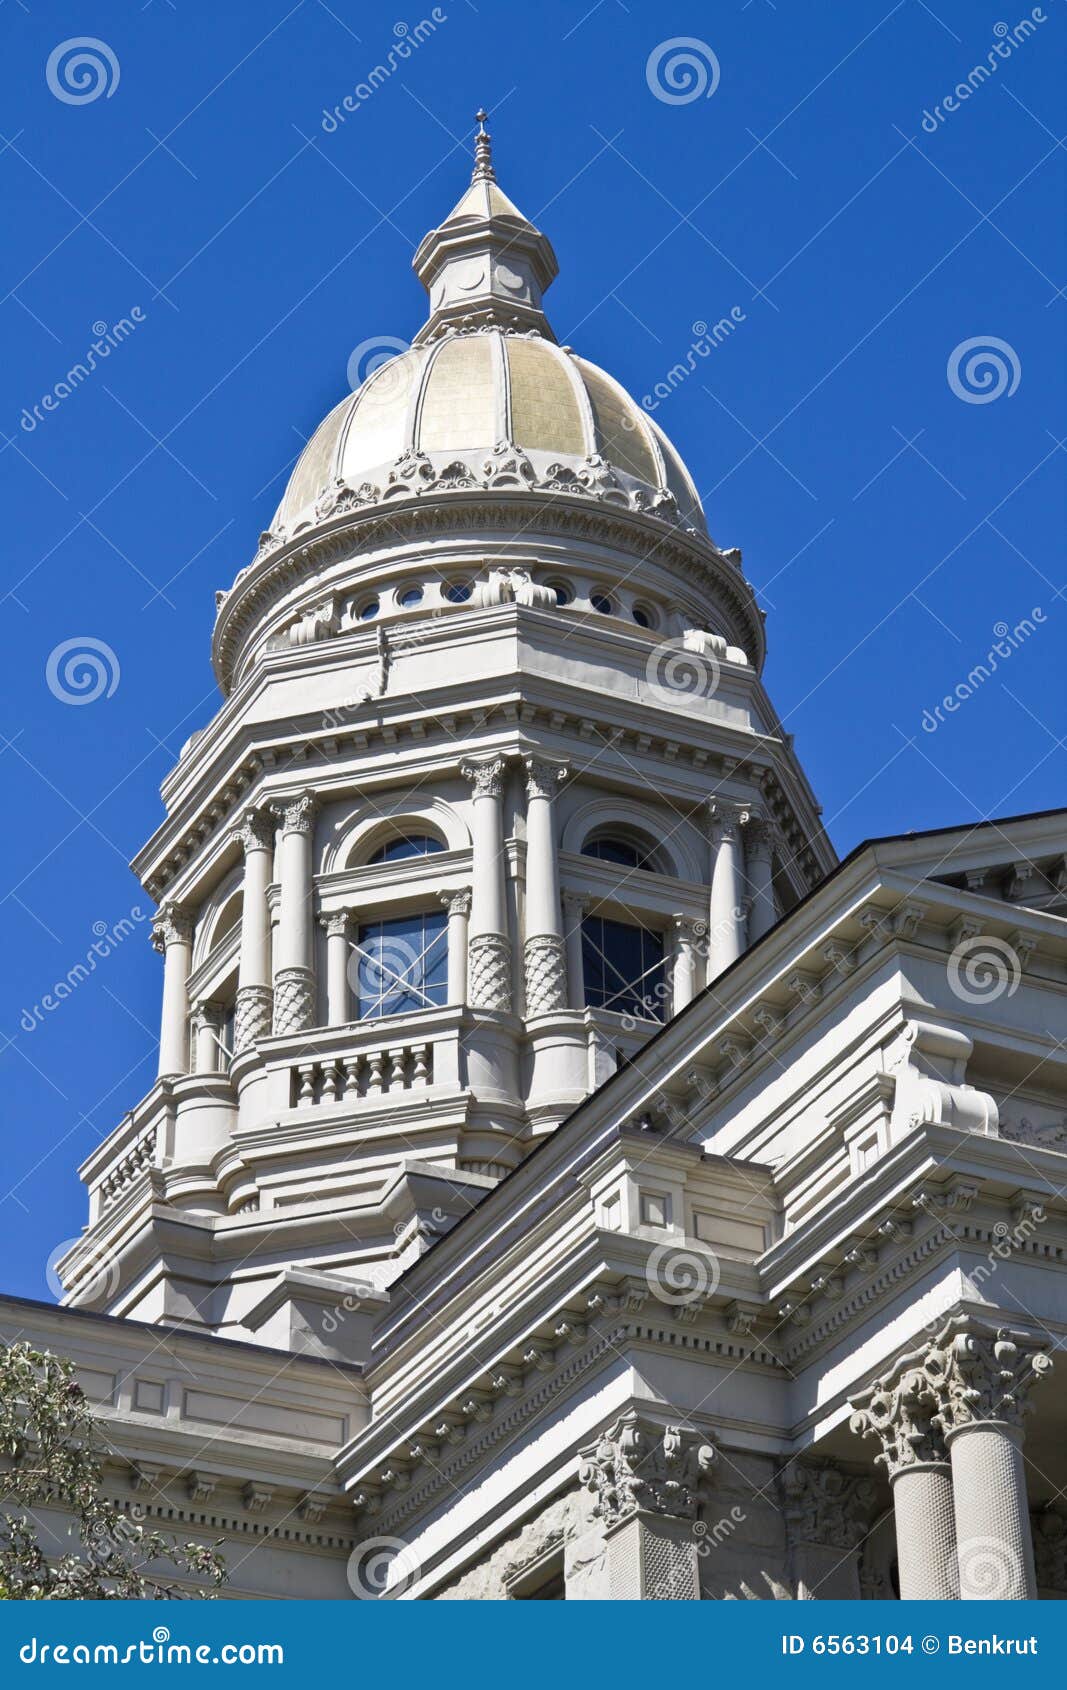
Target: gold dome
[{"x": 447, "y": 406}]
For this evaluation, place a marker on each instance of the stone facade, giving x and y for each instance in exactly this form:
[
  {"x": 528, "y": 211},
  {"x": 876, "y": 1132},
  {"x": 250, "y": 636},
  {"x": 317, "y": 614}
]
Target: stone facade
[{"x": 771, "y": 1311}]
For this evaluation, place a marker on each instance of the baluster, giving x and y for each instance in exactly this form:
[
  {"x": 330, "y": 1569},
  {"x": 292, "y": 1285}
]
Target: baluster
[
  {"x": 307, "y": 1083},
  {"x": 332, "y": 1081},
  {"x": 397, "y": 1081},
  {"x": 420, "y": 1073},
  {"x": 374, "y": 1078},
  {"x": 351, "y": 1076}
]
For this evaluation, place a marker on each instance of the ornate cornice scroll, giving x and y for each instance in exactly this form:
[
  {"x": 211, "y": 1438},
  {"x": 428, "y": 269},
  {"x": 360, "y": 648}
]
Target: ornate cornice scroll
[
  {"x": 637, "y": 1465},
  {"x": 982, "y": 1376},
  {"x": 902, "y": 1415},
  {"x": 296, "y": 813},
  {"x": 255, "y": 830},
  {"x": 543, "y": 776},
  {"x": 486, "y": 775},
  {"x": 172, "y": 926}
]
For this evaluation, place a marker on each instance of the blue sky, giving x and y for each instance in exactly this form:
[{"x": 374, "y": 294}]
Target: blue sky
[{"x": 892, "y": 518}]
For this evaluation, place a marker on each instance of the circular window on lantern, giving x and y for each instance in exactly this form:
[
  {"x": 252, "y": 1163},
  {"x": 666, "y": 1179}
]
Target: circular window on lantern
[
  {"x": 456, "y": 592},
  {"x": 409, "y": 598},
  {"x": 644, "y": 616},
  {"x": 564, "y": 594},
  {"x": 367, "y": 612},
  {"x": 603, "y": 604}
]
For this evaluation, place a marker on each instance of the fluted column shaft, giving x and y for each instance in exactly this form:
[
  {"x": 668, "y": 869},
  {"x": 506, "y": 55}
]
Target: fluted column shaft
[
  {"x": 172, "y": 934},
  {"x": 294, "y": 979},
  {"x": 458, "y": 905},
  {"x": 544, "y": 951},
  {"x": 759, "y": 867},
  {"x": 726, "y": 924},
  {"x": 337, "y": 955},
  {"x": 255, "y": 996},
  {"x": 489, "y": 948}
]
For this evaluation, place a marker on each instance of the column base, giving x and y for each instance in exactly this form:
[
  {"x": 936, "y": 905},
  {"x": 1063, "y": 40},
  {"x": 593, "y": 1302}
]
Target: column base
[
  {"x": 294, "y": 1001},
  {"x": 253, "y": 1015},
  {"x": 489, "y": 971}
]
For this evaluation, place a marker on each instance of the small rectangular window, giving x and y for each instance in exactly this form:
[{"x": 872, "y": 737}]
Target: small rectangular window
[{"x": 402, "y": 965}]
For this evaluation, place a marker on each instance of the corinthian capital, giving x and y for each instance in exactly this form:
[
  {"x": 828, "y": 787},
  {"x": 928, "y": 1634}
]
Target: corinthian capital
[
  {"x": 637, "y": 1465},
  {"x": 172, "y": 926},
  {"x": 901, "y": 1416},
  {"x": 983, "y": 1375},
  {"x": 295, "y": 813},
  {"x": 457, "y": 903},
  {"x": 543, "y": 776},
  {"x": 255, "y": 830},
  {"x": 485, "y": 774},
  {"x": 726, "y": 818}
]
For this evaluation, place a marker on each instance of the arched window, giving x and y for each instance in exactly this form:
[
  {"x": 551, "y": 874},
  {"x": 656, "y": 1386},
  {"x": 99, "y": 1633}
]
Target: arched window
[
  {"x": 406, "y": 845},
  {"x": 623, "y": 964},
  {"x": 402, "y": 965},
  {"x": 617, "y": 848}
]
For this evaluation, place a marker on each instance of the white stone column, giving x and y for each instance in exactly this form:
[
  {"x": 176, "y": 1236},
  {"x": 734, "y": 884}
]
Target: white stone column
[
  {"x": 294, "y": 974},
  {"x": 172, "y": 934},
  {"x": 684, "y": 966},
  {"x": 574, "y": 908},
  {"x": 982, "y": 1379},
  {"x": 726, "y": 916},
  {"x": 901, "y": 1415},
  {"x": 544, "y": 958},
  {"x": 255, "y": 996},
  {"x": 645, "y": 1483},
  {"x": 338, "y": 1013},
  {"x": 489, "y": 947},
  {"x": 208, "y": 1022},
  {"x": 759, "y": 867},
  {"x": 458, "y": 905}
]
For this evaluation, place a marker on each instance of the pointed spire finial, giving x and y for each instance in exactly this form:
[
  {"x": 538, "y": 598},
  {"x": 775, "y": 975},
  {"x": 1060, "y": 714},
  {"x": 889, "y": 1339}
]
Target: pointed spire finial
[{"x": 483, "y": 151}]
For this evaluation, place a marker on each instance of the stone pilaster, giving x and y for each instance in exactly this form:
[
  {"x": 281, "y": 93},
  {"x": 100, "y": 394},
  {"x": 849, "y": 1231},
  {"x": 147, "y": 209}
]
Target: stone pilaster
[
  {"x": 645, "y": 1483},
  {"x": 687, "y": 935},
  {"x": 544, "y": 953},
  {"x": 254, "y": 1004},
  {"x": 982, "y": 1379},
  {"x": 337, "y": 992},
  {"x": 489, "y": 946},
  {"x": 726, "y": 915},
  {"x": 294, "y": 977},
  {"x": 759, "y": 870},
  {"x": 901, "y": 1416},
  {"x": 574, "y": 907},
  {"x": 458, "y": 905},
  {"x": 172, "y": 935}
]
